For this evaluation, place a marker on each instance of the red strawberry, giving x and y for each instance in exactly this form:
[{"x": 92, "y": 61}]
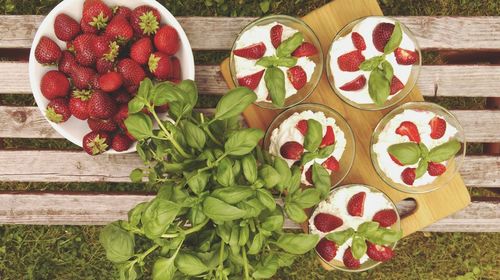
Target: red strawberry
[
  {"x": 87, "y": 29},
  {"x": 326, "y": 249},
  {"x": 381, "y": 35},
  {"x": 101, "y": 125},
  {"x": 331, "y": 164},
  {"x": 132, "y": 89},
  {"x": 276, "y": 35},
  {"x": 306, "y": 49},
  {"x": 292, "y": 150},
  {"x": 78, "y": 104},
  {"x": 101, "y": 106},
  {"x": 325, "y": 222},
  {"x": 254, "y": 51},
  {"x": 104, "y": 48},
  {"x": 160, "y": 65},
  {"x": 122, "y": 11},
  {"x": 408, "y": 176},
  {"x": 356, "y": 205},
  {"x": 309, "y": 175},
  {"x": 302, "y": 126},
  {"x": 110, "y": 81},
  {"x": 104, "y": 66},
  {"x": 67, "y": 62},
  {"x": 58, "y": 110},
  {"x": 396, "y": 160},
  {"x": 251, "y": 81},
  {"x": 83, "y": 49},
  {"x": 145, "y": 20},
  {"x": 121, "y": 115},
  {"x": 396, "y": 85},
  {"x": 66, "y": 28},
  {"x": 119, "y": 29},
  {"x": 122, "y": 97},
  {"x": 141, "y": 50},
  {"x": 438, "y": 127},
  {"x": 96, "y": 14},
  {"x": 54, "y": 84},
  {"x": 350, "y": 61},
  {"x": 349, "y": 260},
  {"x": 297, "y": 76},
  {"x": 436, "y": 169},
  {"x": 409, "y": 129},
  {"x": 176, "y": 71},
  {"x": 385, "y": 217},
  {"x": 355, "y": 84},
  {"x": 405, "y": 57},
  {"x": 131, "y": 72},
  {"x": 329, "y": 138},
  {"x": 47, "y": 51},
  {"x": 358, "y": 41},
  {"x": 167, "y": 40},
  {"x": 95, "y": 143},
  {"x": 378, "y": 253},
  {"x": 121, "y": 143},
  {"x": 83, "y": 77}
]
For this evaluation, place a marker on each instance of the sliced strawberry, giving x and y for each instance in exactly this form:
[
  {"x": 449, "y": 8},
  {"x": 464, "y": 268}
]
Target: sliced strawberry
[
  {"x": 306, "y": 49},
  {"x": 251, "y": 81},
  {"x": 378, "y": 252},
  {"x": 436, "y": 169},
  {"x": 297, "y": 76},
  {"x": 292, "y": 150},
  {"x": 396, "y": 160},
  {"x": 309, "y": 175},
  {"x": 381, "y": 35},
  {"x": 355, "y": 84},
  {"x": 276, "y": 35},
  {"x": 385, "y": 217},
  {"x": 350, "y": 61},
  {"x": 326, "y": 249},
  {"x": 356, "y": 205},
  {"x": 325, "y": 222},
  {"x": 409, "y": 129},
  {"x": 331, "y": 164},
  {"x": 408, "y": 176},
  {"x": 405, "y": 57},
  {"x": 254, "y": 51},
  {"x": 396, "y": 85},
  {"x": 329, "y": 138},
  {"x": 349, "y": 260},
  {"x": 358, "y": 41},
  {"x": 302, "y": 126},
  {"x": 438, "y": 127}
]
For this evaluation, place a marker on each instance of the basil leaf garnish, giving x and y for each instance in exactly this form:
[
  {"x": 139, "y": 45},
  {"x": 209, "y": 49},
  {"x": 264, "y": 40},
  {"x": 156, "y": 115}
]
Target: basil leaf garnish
[
  {"x": 358, "y": 247},
  {"x": 314, "y": 135},
  {"x": 287, "y": 47},
  {"x": 445, "y": 151},
  {"x": 421, "y": 169},
  {"x": 321, "y": 179},
  {"x": 275, "y": 83},
  {"x": 424, "y": 151},
  {"x": 407, "y": 153},
  {"x": 395, "y": 40},
  {"x": 307, "y": 157},
  {"x": 368, "y": 227},
  {"x": 378, "y": 86},
  {"x": 340, "y": 237},
  {"x": 384, "y": 236},
  {"x": 372, "y": 63},
  {"x": 326, "y": 151},
  {"x": 388, "y": 70},
  {"x": 270, "y": 61}
]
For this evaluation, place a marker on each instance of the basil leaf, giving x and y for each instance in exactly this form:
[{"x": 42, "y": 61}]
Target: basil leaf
[
  {"x": 244, "y": 235},
  {"x": 372, "y": 63},
  {"x": 249, "y": 165},
  {"x": 224, "y": 231},
  {"x": 253, "y": 207},
  {"x": 368, "y": 227},
  {"x": 267, "y": 61},
  {"x": 407, "y": 153},
  {"x": 282, "y": 168},
  {"x": 287, "y": 47},
  {"x": 307, "y": 157},
  {"x": 145, "y": 88},
  {"x": 158, "y": 216},
  {"x": 297, "y": 244},
  {"x": 445, "y": 151},
  {"x": 314, "y": 135},
  {"x": 190, "y": 91},
  {"x": 358, "y": 247},
  {"x": 384, "y": 236},
  {"x": 243, "y": 141},
  {"x": 197, "y": 181},
  {"x": 285, "y": 259},
  {"x": 164, "y": 269},
  {"x": 225, "y": 175},
  {"x": 233, "y": 240},
  {"x": 340, "y": 237},
  {"x": 234, "y": 103},
  {"x": 388, "y": 70},
  {"x": 256, "y": 245},
  {"x": 118, "y": 243},
  {"x": 270, "y": 61},
  {"x": 395, "y": 40},
  {"x": 136, "y": 175},
  {"x": 326, "y": 151},
  {"x": 275, "y": 83},
  {"x": 166, "y": 92},
  {"x": 421, "y": 168},
  {"x": 190, "y": 264},
  {"x": 195, "y": 137},
  {"x": 139, "y": 125},
  {"x": 266, "y": 269},
  {"x": 136, "y": 105},
  {"x": 134, "y": 215},
  {"x": 307, "y": 198},
  {"x": 321, "y": 179},
  {"x": 424, "y": 151},
  {"x": 196, "y": 215},
  {"x": 266, "y": 198},
  {"x": 294, "y": 183},
  {"x": 270, "y": 176},
  {"x": 295, "y": 212},
  {"x": 273, "y": 223},
  {"x": 220, "y": 211},
  {"x": 378, "y": 86}
]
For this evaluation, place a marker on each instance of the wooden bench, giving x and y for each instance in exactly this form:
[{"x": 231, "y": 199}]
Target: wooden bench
[{"x": 450, "y": 34}]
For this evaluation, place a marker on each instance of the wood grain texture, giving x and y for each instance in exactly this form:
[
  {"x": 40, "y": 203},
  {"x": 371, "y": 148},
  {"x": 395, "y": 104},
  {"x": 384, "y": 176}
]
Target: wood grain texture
[{"x": 432, "y": 32}]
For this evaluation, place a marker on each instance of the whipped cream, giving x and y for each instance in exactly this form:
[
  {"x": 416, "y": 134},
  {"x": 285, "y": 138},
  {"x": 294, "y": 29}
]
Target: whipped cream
[
  {"x": 344, "y": 45},
  {"x": 245, "y": 67},
  {"x": 287, "y": 131},
  {"x": 389, "y": 137},
  {"x": 336, "y": 205}
]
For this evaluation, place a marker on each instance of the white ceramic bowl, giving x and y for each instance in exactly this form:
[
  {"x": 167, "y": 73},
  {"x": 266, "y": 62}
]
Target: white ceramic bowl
[{"x": 74, "y": 129}]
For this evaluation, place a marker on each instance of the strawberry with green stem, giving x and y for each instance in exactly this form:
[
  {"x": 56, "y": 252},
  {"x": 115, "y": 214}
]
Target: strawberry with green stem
[
  {"x": 145, "y": 20},
  {"x": 78, "y": 104},
  {"x": 58, "y": 110},
  {"x": 95, "y": 143}
]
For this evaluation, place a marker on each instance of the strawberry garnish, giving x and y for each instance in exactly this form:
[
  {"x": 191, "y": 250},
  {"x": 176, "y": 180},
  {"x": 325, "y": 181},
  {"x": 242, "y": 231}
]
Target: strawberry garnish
[
  {"x": 405, "y": 57},
  {"x": 350, "y": 61},
  {"x": 436, "y": 169},
  {"x": 396, "y": 160},
  {"x": 325, "y": 222},
  {"x": 297, "y": 76},
  {"x": 381, "y": 35},
  {"x": 302, "y": 126},
  {"x": 355, "y": 84},
  {"x": 408, "y": 176},
  {"x": 254, "y": 51},
  {"x": 349, "y": 260},
  {"x": 329, "y": 138},
  {"x": 409, "y": 129},
  {"x": 251, "y": 81},
  {"x": 358, "y": 41},
  {"x": 378, "y": 252},
  {"x": 292, "y": 150},
  {"x": 385, "y": 217},
  {"x": 356, "y": 204},
  {"x": 396, "y": 85},
  {"x": 47, "y": 51},
  {"x": 276, "y": 35},
  {"x": 438, "y": 127},
  {"x": 306, "y": 49},
  {"x": 326, "y": 249},
  {"x": 331, "y": 164}
]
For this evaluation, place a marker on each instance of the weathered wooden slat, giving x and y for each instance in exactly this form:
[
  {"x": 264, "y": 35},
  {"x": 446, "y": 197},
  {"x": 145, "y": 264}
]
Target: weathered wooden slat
[
  {"x": 98, "y": 209},
  {"x": 432, "y": 32}
]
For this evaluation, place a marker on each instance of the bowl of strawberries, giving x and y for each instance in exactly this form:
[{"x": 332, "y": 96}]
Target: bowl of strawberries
[{"x": 88, "y": 59}]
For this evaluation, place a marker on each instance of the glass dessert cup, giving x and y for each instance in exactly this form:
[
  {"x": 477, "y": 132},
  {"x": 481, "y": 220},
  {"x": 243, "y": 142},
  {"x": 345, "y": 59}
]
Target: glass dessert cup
[
  {"x": 309, "y": 36},
  {"x": 347, "y": 159},
  {"x": 452, "y": 165},
  {"x": 410, "y": 84},
  {"x": 369, "y": 264}
]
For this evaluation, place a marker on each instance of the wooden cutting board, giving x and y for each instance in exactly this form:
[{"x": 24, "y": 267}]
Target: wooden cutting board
[{"x": 326, "y": 22}]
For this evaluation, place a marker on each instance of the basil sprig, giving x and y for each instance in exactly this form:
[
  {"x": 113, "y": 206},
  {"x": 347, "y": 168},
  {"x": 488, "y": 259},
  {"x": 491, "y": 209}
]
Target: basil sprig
[
  {"x": 275, "y": 61},
  {"x": 287, "y": 47},
  {"x": 395, "y": 40},
  {"x": 275, "y": 83}
]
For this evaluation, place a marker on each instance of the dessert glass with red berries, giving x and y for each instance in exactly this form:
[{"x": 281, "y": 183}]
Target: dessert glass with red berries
[
  {"x": 358, "y": 226},
  {"x": 418, "y": 147},
  {"x": 280, "y": 58},
  {"x": 373, "y": 62},
  {"x": 312, "y": 133}
]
